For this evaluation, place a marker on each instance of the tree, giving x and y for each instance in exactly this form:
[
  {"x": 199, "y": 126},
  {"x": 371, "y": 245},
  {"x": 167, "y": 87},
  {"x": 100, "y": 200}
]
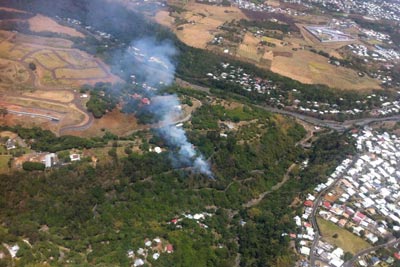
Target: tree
[
  {"x": 33, "y": 166},
  {"x": 32, "y": 66},
  {"x": 347, "y": 256}
]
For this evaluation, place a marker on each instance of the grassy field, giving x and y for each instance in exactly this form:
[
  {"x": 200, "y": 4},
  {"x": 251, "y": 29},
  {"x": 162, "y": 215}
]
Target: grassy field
[
  {"x": 4, "y": 163},
  {"x": 77, "y": 74},
  {"x": 49, "y": 59},
  {"x": 12, "y": 72},
  {"x": 41, "y": 23},
  {"x": 308, "y": 67},
  {"x": 345, "y": 240},
  {"x": 60, "y": 96}
]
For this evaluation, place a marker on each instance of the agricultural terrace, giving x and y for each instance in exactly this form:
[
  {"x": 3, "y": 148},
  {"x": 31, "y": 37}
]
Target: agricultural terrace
[{"x": 55, "y": 62}]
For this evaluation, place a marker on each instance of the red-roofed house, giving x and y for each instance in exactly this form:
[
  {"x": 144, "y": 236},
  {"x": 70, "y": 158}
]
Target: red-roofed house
[
  {"x": 308, "y": 203},
  {"x": 169, "y": 248},
  {"x": 145, "y": 101},
  {"x": 358, "y": 217},
  {"x": 307, "y": 225},
  {"x": 397, "y": 255},
  {"x": 174, "y": 221},
  {"x": 327, "y": 205}
]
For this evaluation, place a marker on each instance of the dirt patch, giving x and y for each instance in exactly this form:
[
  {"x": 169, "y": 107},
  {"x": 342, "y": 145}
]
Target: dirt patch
[
  {"x": 162, "y": 17},
  {"x": 8, "y": 134},
  {"x": 41, "y": 23},
  {"x": 282, "y": 54}
]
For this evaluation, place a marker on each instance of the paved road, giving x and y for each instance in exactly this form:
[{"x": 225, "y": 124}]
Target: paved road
[
  {"x": 31, "y": 114},
  {"x": 334, "y": 125},
  {"x": 313, "y": 215}
]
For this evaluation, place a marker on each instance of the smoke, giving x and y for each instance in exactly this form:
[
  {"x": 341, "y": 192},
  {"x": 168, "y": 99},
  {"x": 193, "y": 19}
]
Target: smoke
[
  {"x": 155, "y": 60},
  {"x": 166, "y": 107},
  {"x": 155, "y": 67}
]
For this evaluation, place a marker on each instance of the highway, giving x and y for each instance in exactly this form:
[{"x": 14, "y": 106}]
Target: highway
[
  {"x": 331, "y": 124},
  {"x": 334, "y": 125}
]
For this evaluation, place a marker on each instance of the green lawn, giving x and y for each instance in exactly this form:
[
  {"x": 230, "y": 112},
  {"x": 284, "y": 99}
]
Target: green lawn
[{"x": 345, "y": 240}]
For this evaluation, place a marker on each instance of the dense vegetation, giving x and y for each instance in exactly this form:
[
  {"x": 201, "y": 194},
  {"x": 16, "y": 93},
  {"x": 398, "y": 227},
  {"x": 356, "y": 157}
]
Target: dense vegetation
[
  {"x": 94, "y": 216},
  {"x": 102, "y": 99},
  {"x": 45, "y": 140}
]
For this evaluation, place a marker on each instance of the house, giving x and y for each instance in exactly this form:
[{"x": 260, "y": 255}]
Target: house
[
  {"x": 11, "y": 144},
  {"x": 308, "y": 203},
  {"x": 156, "y": 256},
  {"x": 342, "y": 222},
  {"x": 336, "y": 262},
  {"x": 145, "y": 101},
  {"x": 305, "y": 251},
  {"x": 75, "y": 157},
  {"x": 375, "y": 261},
  {"x": 50, "y": 160},
  {"x": 327, "y": 205},
  {"x": 138, "y": 262},
  {"x": 169, "y": 248},
  {"x": 371, "y": 237},
  {"x": 358, "y": 217}
]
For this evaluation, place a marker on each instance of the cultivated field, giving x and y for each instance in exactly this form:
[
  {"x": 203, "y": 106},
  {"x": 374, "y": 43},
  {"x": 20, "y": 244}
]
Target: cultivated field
[
  {"x": 40, "y": 77},
  {"x": 345, "y": 240},
  {"x": 197, "y": 25}
]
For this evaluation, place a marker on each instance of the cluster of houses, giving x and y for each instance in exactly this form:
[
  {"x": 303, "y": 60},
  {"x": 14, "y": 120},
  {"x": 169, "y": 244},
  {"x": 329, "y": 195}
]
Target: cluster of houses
[
  {"x": 251, "y": 5},
  {"x": 386, "y": 9},
  {"x": 152, "y": 248},
  {"x": 251, "y": 83},
  {"x": 76, "y": 22},
  {"x": 378, "y": 54},
  {"x": 247, "y": 81},
  {"x": 360, "y": 196},
  {"x": 198, "y": 217},
  {"x": 382, "y": 37},
  {"x": 307, "y": 232}
]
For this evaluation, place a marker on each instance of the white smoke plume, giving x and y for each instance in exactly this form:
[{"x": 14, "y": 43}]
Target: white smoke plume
[{"x": 157, "y": 69}]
